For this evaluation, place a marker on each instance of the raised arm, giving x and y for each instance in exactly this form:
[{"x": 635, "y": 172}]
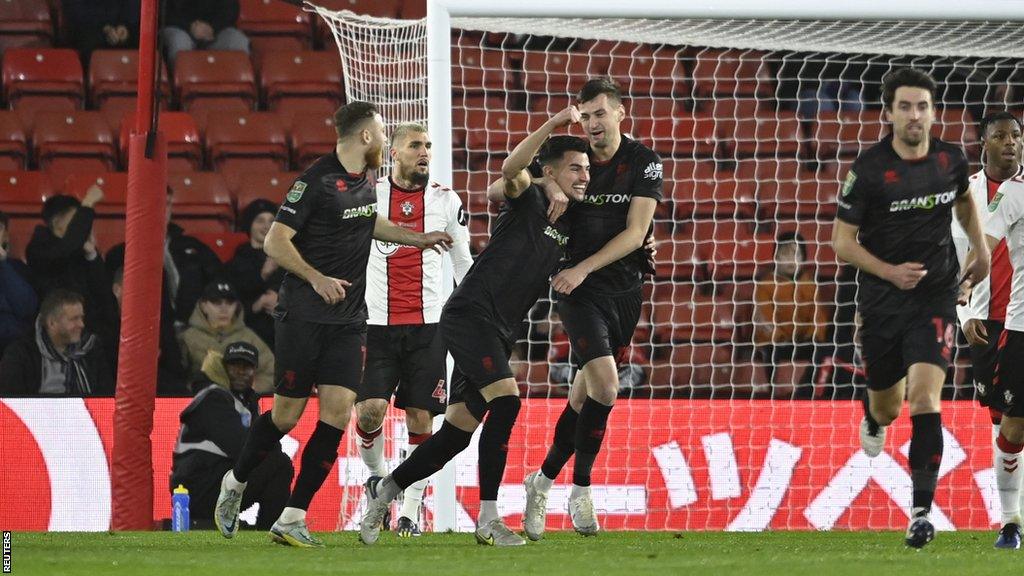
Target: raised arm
[{"x": 514, "y": 176}]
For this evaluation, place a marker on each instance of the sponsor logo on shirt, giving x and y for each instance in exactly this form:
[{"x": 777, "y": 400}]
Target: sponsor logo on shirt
[
  {"x": 561, "y": 239},
  {"x": 359, "y": 212},
  {"x": 653, "y": 171},
  {"x": 296, "y": 191},
  {"x": 923, "y": 202},
  {"x": 851, "y": 178},
  {"x": 995, "y": 202},
  {"x": 288, "y": 209},
  {"x": 602, "y": 199}
]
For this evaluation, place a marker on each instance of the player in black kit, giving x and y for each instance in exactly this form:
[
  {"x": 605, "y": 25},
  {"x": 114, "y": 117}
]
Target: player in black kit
[
  {"x": 479, "y": 325},
  {"x": 893, "y": 224},
  {"x": 600, "y": 296},
  {"x": 322, "y": 237}
]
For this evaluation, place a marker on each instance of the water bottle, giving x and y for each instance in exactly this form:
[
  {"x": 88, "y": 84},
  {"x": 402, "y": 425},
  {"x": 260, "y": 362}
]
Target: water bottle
[{"x": 179, "y": 509}]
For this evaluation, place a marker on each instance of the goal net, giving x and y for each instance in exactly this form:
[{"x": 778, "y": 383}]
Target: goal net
[{"x": 757, "y": 122}]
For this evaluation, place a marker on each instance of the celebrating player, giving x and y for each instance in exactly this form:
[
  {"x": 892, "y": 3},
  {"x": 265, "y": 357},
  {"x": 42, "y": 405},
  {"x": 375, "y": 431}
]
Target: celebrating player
[
  {"x": 321, "y": 236},
  {"x": 991, "y": 303},
  {"x": 601, "y": 300},
  {"x": 480, "y": 321},
  {"x": 403, "y": 349},
  {"x": 893, "y": 224}
]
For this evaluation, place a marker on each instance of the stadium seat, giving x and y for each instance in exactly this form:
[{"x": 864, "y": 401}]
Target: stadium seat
[
  {"x": 13, "y": 142},
  {"x": 73, "y": 142},
  {"x": 846, "y": 134},
  {"x": 272, "y": 25},
  {"x": 472, "y": 188},
  {"x": 677, "y": 257},
  {"x": 731, "y": 250},
  {"x": 479, "y": 233},
  {"x": 682, "y": 314},
  {"x": 109, "y": 232},
  {"x": 113, "y": 184},
  {"x": 957, "y": 126},
  {"x": 767, "y": 134},
  {"x": 113, "y": 80},
  {"x": 262, "y": 185},
  {"x": 641, "y": 70},
  {"x": 36, "y": 79},
  {"x": 223, "y": 244},
  {"x": 731, "y": 73},
  {"x": 21, "y": 229},
  {"x": 248, "y": 142},
  {"x": 686, "y": 136},
  {"x": 722, "y": 197},
  {"x": 312, "y": 136},
  {"x": 22, "y": 192},
  {"x": 25, "y": 23},
  {"x": 817, "y": 235},
  {"x": 221, "y": 80},
  {"x": 785, "y": 191},
  {"x": 561, "y": 72},
  {"x": 476, "y": 69},
  {"x": 308, "y": 82},
  {"x": 202, "y": 197},
  {"x": 499, "y": 130},
  {"x": 184, "y": 147}
]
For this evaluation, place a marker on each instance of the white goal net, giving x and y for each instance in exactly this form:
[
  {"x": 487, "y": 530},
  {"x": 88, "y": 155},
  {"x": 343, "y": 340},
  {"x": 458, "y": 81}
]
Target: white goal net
[{"x": 757, "y": 122}]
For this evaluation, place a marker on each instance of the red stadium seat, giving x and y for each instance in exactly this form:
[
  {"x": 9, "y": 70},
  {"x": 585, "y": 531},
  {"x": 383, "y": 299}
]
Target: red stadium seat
[
  {"x": 13, "y": 142},
  {"x": 274, "y": 25},
  {"x": 818, "y": 241},
  {"x": 223, "y": 244},
  {"x": 254, "y": 141},
  {"x": 561, "y": 72},
  {"x": 184, "y": 147},
  {"x": 677, "y": 257},
  {"x": 113, "y": 79},
  {"x": 21, "y": 229},
  {"x": 477, "y": 69},
  {"x": 43, "y": 79},
  {"x": 846, "y": 134},
  {"x": 263, "y": 185},
  {"x": 73, "y": 142},
  {"x": 957, "y": 125},
  {"x": 472, "y": 187},
  {"x": 220, "y": 80},
  {"x": 499, "y": 130},
  {"x": 308, "y": 82},
  {"x": 113, "y": 184},
  {"x": 22, "y": 193},
  {"x": 731, "y": 73},
  {"x": 685, "y": 136},
  {"x": 731, "y": 250},
  {"x": 768, "y": 134},
  {"x": 785, "y": 191},
  {"x": 682, "y": 314},
  {"x": 313, "y": 135},
  {"x": 641, "y": 70},
  {"x": 25, "y": 23},
  {"x": 202, "y": 196},
  {"x": 109, "y": 232}
]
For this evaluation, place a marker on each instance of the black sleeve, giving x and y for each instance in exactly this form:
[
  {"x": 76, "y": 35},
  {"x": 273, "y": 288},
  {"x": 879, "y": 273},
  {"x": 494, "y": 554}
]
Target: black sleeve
[
  {"x": 224, "y": 14},
  {"x": 244, "y": 272},
  {"x": 963, "y": 175},
  {"x": 299, "y": 203},
  {"x": 74, "y": 238},
  {"x": 853, "y": 198},
  {"x": 15, "y": 374},
  {"x": 647, "y": 175},
  {"x": 219, "y": 422}
]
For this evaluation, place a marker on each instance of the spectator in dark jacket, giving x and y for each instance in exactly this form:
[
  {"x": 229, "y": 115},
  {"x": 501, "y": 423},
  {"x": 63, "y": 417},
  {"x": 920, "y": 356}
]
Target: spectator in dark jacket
[
  {"x": 98, "y": 24},
  {"x": 214, "y": 427},
  {"x": 202, "y": 24},
  {"x": 18, "y": 300},
  {"x": 63, "y": 254},
  {"x": 60, "y": 358},
  {"x": 189, "y": 266},
  {"x": 256, "y": 277}
]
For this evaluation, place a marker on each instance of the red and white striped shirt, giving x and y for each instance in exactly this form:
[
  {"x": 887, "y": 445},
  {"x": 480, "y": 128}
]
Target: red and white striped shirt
[{"x": 404, "y": 284}]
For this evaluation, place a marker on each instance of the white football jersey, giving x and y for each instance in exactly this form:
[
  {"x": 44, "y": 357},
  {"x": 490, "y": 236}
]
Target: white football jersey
[
  {"x": 403, "y": 284},
  {"x": 1006, "y": 220}
]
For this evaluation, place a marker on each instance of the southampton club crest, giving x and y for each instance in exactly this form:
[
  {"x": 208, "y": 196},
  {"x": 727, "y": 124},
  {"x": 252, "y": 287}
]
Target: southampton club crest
[{"x": 407, "y": 208}]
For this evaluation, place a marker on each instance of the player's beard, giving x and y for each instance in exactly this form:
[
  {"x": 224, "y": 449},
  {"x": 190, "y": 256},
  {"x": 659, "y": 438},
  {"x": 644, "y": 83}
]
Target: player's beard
[
  {"x": 417, "y": 178},
  {"x": 374, "y": 157}
]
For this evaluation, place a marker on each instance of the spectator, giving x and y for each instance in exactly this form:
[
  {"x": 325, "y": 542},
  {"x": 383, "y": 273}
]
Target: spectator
[
  {"x": 63, "y": 254},
  {"x": 257, "y": 277},
  {"x": 202, "y": 24},
  {"x": 18, "y": 300},
  {"x": 189, "y": 265},
  {"x": 787, "y": 318},
  {"x": 99, "y": 24},
  {"x": 170, "y": 374},
  {"x": 217, "y": 319},
  {"x": 213, "y": 428},
  {"x": 59, "y": 358}
]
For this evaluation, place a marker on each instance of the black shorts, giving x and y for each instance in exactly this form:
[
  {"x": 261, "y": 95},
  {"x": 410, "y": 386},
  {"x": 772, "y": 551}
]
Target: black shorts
[
  {"x": 984, "y": 359},
  {"x": 908, "y": 340},
  {"x": 1007, "y": 394},
  {"x": 481, "y": 358},
  {"x": 309, "y": 353},
  {"x": 407, "y": 362},
  {"x": 599, "y": 325}
]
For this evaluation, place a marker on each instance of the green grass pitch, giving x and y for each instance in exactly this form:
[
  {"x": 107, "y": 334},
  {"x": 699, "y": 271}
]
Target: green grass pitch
[{"x": 610, "y": 553}]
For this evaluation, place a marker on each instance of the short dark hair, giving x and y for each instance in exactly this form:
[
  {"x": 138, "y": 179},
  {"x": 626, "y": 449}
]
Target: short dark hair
[
  {"x": 57, "y": 205},
  {"x": 998, "y": 117},
  {"x": 911, "y": 77},
  {"x": 5, "y": 220},
  {"x": 597, "y": 86},
  {"x": 56, "y": 300},
  {"x": 556, "y": 147},
  {"x": 350, "y": 117},
  {"x": 791, "y": 236}
]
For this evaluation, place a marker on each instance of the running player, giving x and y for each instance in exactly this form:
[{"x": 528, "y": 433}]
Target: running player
[
  {"x": 601, "y": 296},
  {"x": 893, "y": 224},
  {"x": 480, "y": 321},
  {"x": 321, "y": 236},
  {"x": 404, "y": 354}
]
